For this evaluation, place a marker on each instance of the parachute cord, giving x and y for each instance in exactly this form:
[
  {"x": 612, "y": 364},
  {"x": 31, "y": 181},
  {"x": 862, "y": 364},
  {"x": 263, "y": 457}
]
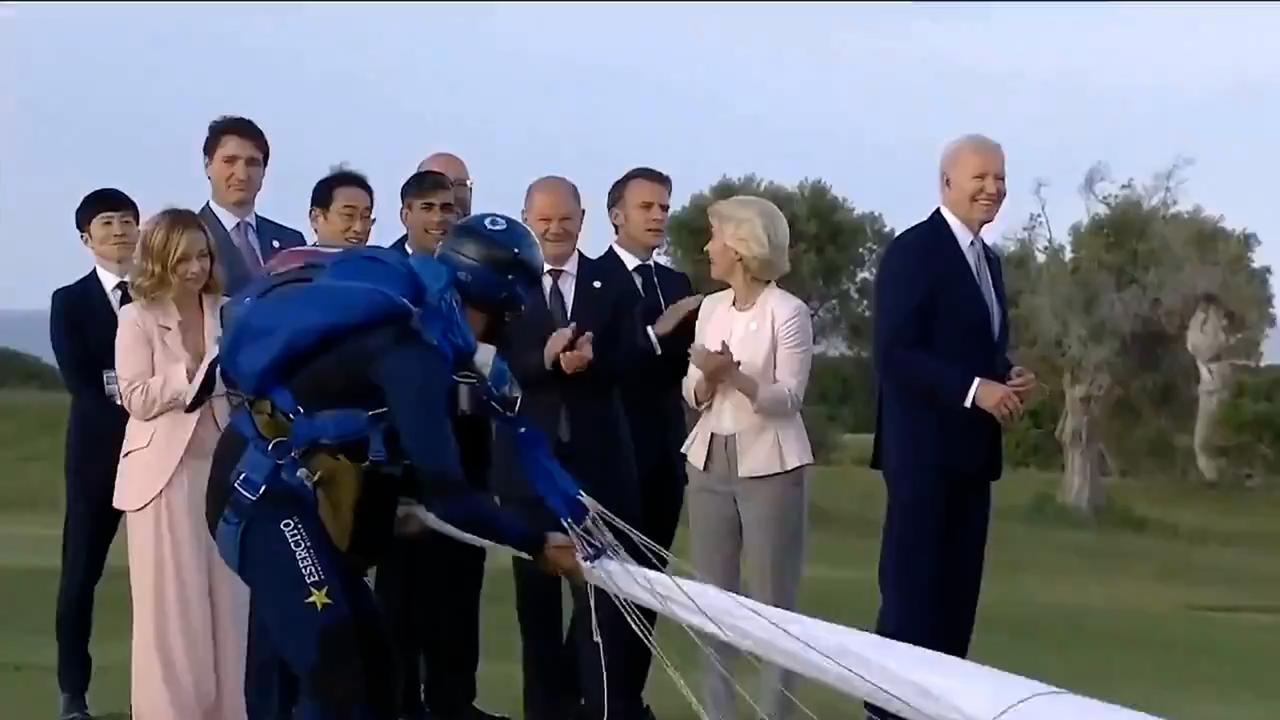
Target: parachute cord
[
  {"x": 715, "y": 656},
  {"x": 599, "y": 513}
]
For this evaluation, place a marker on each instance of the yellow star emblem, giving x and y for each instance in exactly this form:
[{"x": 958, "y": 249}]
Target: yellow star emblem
[{"x": 319, "y": 597}]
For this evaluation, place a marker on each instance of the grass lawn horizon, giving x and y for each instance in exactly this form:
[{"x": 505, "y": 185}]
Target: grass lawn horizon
[{"x": 1169, "y": 605}]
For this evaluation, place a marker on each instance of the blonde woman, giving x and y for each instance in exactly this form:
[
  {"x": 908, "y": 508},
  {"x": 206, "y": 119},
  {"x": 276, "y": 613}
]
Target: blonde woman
[
  {"x": 190, "y": 611},
  {"x": 747, "y": 454}
]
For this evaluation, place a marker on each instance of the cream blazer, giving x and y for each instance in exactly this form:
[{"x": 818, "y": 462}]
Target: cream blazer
[
  {"x": 151, "y": 365},
  {"x": 777, "y": 353}
]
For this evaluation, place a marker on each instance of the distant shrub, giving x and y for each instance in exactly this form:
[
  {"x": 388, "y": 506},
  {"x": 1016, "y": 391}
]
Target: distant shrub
[{"x": 20, "y": 371}]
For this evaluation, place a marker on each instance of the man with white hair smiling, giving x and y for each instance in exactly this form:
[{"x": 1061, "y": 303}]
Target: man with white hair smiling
[{"x": 945, "y": 388}]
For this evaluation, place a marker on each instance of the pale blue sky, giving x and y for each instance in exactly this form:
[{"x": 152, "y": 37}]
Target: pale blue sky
[{"x": 863, "y": 96}]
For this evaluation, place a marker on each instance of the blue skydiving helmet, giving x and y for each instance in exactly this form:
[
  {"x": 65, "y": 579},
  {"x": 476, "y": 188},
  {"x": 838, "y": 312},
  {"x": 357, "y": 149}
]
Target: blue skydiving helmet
[{"x": 495, "y": 261}]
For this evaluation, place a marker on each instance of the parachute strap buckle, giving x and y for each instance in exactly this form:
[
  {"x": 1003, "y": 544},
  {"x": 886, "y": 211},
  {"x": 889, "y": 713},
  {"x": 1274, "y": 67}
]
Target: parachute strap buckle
[
  {"x": 249, "y": 494},
  {"x": 280, "y": 450}
]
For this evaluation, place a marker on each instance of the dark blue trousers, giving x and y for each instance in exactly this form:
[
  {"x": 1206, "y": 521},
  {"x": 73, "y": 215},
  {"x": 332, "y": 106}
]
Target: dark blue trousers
[
  {"x": 316, "y": 612},
  {"x": 931, "y": 559}
]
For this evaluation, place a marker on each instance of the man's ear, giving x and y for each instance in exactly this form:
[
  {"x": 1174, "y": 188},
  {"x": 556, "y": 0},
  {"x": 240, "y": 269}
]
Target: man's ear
[
  {"x": 616, "y": 216},
  {"x": 84, "y": 238},
  {"x": 316, "y": 216}
]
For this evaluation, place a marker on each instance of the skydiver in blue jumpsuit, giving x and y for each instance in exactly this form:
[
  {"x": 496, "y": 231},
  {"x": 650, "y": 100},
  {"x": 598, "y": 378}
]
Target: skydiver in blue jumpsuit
[{"x": 311, "y": 589}]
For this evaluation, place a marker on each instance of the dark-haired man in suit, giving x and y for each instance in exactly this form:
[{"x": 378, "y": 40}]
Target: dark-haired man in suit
[
  {"x": 82, "y": 328},
  {"x": 568, "y": 351},
  {"x": 665, "y": 307},
  {"x": 945, "y": 388},
  {"x": 428, "y": 208},
  {"x": 236, "y": 155},
  {"x": 437, "y": 629}
]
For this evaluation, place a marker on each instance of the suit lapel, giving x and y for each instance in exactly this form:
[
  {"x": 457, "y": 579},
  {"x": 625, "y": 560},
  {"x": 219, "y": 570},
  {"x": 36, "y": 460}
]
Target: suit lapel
[
  {"x": 585, "y": 285},
  {"x": 955, "y": 255},
  {"x": 270, "y": 239},
  {"x": 230, "y": 262},
  {"x": 170, "y": 329}
]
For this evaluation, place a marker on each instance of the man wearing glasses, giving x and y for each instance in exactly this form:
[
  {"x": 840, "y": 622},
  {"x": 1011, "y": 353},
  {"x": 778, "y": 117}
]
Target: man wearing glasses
[
  {"x": 452, "y": 166},
  {"x": 341, "y": 217}
]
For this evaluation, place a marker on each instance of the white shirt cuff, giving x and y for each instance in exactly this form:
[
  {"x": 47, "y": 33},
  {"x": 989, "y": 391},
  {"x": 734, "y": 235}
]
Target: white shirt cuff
[
  {"x": 973, "y": 390},
  {"x": 653, "y": 338}
]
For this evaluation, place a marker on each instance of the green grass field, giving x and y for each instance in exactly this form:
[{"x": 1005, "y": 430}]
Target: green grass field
[{"x": 1170, "y": 605}]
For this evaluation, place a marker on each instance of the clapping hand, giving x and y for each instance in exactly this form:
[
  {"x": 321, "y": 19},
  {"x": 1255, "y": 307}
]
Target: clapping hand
[
  {"x": 577, "y": 359},
  {"x": 676, "y": 314},
  {"x": 715, "y": 366}
]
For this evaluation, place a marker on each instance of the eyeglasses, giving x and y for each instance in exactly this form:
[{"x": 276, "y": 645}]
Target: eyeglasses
[{"x": 349, "y": 219}]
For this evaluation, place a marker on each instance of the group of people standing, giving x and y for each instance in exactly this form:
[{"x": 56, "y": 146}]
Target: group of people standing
[{"x": 610, "y": 357}]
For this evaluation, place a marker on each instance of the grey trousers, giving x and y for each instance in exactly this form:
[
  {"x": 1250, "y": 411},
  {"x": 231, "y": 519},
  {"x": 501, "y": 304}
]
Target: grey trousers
[{"x": 762, "y": 520}]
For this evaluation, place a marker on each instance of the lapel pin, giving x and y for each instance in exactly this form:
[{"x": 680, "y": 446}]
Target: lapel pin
[
  {"x": 595, "y": 284},
  {"x": 275, "y": 244}
]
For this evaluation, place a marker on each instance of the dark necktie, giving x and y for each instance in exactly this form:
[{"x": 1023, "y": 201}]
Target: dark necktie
[
  {"x": 125, "y": 297},
  {"x": 651, "y": 304},
  {"x": 560, "y": 317},
  {"x": 555, "y": 300}
]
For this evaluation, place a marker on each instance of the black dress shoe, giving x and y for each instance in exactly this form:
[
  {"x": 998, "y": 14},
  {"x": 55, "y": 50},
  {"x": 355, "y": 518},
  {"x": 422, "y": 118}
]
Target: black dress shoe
[{"x": 73, "y": 707}]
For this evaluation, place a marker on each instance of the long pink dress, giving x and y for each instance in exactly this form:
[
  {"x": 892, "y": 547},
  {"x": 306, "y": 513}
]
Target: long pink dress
[{"x": 190, "y": 612}]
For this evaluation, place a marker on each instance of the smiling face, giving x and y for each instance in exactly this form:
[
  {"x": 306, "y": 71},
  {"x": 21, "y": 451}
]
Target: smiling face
[
  {"x": 555, "y": 216},
  {"x": 428, "y": 218},
  {"x": 347, "y": 222},
  {"x": 112, "y": 237},
  {"x": 193, "y": 263},
  {"x": 973, "y": 184}
]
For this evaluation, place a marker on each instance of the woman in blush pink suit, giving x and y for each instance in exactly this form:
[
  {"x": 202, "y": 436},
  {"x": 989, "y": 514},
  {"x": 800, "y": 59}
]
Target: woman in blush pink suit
[{"x": 190, "y": 612}]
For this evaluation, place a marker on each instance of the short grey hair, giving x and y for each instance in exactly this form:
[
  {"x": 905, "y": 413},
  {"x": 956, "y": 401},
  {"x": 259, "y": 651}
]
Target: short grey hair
[
  {"x": 757, "y": 230},
  {"x": 972, "y": 141}
]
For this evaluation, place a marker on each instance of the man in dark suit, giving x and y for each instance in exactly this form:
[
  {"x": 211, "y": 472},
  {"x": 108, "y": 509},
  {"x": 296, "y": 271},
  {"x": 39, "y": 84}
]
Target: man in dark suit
[
  {"x": 437, "y": 628},
  {"x": 567, "y": 351},
  {"x": 945, "y": 387},
  {"x": 428, "y": 208},
  {"x": 664, "y": 304},
  {"x": 236, "y": 155},
  {"x": 82, "y": 328}
]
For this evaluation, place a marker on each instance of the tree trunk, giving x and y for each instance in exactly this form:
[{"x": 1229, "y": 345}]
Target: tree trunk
[
  {"x": 1082, "y": 488},
  {"x": 1206, "y": 339}
]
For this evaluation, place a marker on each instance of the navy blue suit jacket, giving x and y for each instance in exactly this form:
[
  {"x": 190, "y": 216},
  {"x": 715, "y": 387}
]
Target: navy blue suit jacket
[
  {"x": 651, "y": 381},
  {"x": 932, "y": 337},
  {"x": 272, "y": 238},
  {"x": 603, "y": 458},
  {"x": 82, "y": 330}
]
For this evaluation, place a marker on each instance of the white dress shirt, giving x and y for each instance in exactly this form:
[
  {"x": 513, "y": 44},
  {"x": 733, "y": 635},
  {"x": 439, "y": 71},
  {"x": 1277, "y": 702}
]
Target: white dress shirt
[
  {"x": 110, "y": 283},
  {"x": 966, "y": 238},
  {"x": 632, "y": 262},
  {"x": 568, "y": 280},
  {"x": 229, "y": 222}
]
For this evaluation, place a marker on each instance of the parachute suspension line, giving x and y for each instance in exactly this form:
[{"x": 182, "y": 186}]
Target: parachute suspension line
[
  {"x": 598, "y": 513},
  {"x": 603, "y": 536},
  {"x": 634, "y": 619}
]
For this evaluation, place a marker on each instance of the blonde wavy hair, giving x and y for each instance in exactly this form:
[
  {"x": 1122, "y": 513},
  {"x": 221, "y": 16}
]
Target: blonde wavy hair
[
  {"x": 758, "y": 231},
  {"x": 154, "y": 269}
]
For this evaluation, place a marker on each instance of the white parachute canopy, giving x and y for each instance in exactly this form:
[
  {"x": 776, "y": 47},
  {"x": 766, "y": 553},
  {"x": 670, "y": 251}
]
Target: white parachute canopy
[
  {"x": 912, "y": 682},
  {"x": 915, "y": 683}
]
